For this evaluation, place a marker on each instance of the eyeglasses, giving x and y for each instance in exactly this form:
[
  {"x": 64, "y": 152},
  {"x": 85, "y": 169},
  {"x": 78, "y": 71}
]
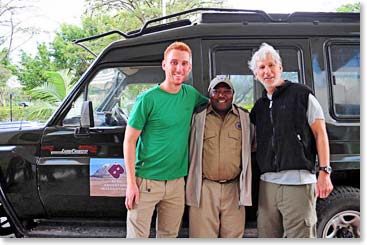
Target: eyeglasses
[{"x": 222, "y": 91}]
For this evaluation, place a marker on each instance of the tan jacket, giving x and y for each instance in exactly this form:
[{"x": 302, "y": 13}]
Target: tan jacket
[{"x": 194, "y": 178}]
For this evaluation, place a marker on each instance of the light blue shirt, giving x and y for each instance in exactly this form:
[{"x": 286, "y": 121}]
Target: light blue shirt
[{"x": 297, "y": 177}]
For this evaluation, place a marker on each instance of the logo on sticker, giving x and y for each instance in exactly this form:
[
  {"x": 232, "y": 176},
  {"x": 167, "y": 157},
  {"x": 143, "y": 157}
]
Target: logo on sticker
[{"x": 116, "y": 170}]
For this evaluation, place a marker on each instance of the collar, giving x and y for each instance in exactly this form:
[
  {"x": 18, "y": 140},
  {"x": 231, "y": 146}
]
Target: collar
[
  {"x": 233, "y": 109},
  {"x": 278, "y": 90}
]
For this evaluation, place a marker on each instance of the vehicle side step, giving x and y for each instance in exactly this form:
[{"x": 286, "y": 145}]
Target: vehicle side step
[
  {"x": 77, "y": 231},
  {"x": 88, "y": 230}
]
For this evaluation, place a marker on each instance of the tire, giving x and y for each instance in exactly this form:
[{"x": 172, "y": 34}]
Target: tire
[
  {"x": 339, "y": 214},
  {"x": 6, "y": 228}
]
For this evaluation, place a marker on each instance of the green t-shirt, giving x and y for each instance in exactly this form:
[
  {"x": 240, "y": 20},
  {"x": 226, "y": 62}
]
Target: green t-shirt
[{"x": 164, "y": 118}]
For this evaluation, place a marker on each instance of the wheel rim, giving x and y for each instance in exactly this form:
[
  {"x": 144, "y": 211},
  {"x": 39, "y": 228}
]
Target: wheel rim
[{"x": 345, "y": 224}]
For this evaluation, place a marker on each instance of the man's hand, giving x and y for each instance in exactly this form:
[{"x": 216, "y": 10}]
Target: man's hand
[
  {"x": 132, "y": 190},
  {"x": 132, "y": 196},
  {"x": 324, "y": 186}
]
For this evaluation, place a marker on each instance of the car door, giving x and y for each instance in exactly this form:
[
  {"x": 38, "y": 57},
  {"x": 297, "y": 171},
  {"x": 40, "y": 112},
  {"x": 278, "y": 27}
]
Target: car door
[{"x": 81, "y": 172}]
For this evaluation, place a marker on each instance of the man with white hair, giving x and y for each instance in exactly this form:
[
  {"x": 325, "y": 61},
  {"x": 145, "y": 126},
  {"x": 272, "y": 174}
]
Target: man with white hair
[{"x": 290, "y": 131}]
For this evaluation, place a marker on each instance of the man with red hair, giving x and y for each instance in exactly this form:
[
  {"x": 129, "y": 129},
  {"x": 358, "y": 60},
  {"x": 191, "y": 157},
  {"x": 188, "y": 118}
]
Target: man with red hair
[{"x": 156, "y": 148}]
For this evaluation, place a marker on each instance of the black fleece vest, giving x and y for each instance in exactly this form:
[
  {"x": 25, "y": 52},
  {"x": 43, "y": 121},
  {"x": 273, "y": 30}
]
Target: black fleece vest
[{"x": 284, "y": 138}]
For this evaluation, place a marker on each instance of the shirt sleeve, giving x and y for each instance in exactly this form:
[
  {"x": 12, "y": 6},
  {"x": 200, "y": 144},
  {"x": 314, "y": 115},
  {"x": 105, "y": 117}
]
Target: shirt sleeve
[
  {"x": 196, "y": 95},
  {"x": 200, "y": 99},
  {"x": 139, "y": 113},
  {"x": 314, "y": 110}
]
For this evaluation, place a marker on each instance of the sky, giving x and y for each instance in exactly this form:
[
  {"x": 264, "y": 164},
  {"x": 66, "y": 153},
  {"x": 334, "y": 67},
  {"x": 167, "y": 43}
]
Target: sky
[{"x": 49, "y": 14}]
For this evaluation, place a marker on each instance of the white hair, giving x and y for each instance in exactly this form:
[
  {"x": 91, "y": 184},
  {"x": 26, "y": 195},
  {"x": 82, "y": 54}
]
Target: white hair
[{"x": 264, "y": 50}]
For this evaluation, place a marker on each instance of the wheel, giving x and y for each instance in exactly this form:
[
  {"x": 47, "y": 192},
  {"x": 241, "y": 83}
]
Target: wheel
[
  {"x": 339, "y": 215},
  {"x": 5, "y": 226}
]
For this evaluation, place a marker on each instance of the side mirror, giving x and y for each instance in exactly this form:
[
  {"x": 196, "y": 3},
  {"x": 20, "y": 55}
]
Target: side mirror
[{"x": 86, "y": 119}]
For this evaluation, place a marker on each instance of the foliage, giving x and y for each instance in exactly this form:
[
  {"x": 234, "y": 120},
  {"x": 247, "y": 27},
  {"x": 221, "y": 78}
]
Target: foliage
[
  {"x": 55, "y": 89},
  {"x": 100, "y": 17},
  {"x": 144, "y": 10},
  {"x": 35, "y": 71},
  {"x": 66, "y": 54},
  {"x": 17, "y": 113},
  {"x": 39, "y": 111},
  {"x": 5, "y": 72},
  {"x": 350, "y": 7},
  {"x": 49, "y": 95},
  {"x": 129, "y": 15},
  {"x": 31, "y": 71}
]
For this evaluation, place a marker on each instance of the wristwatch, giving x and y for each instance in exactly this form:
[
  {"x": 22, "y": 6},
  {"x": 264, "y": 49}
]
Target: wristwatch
[{"x": 326, "y": 169}]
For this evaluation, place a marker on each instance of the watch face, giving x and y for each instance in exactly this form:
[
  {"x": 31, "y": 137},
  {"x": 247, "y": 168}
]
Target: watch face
[{"x": 327, "y": 169}]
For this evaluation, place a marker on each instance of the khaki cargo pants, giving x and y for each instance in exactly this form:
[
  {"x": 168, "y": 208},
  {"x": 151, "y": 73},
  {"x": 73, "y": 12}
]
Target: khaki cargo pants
[
  {"x": 287, "y": 211},
  {"x": 169, "y": 199},
  {"x": 219, "y": 214}
]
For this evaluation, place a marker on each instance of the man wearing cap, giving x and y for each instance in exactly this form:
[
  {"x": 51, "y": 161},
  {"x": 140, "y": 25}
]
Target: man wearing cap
[{"x": 219, "y": 181}]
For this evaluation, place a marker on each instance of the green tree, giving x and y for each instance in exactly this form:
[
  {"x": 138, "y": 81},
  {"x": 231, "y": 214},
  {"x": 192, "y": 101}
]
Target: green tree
[
  {"x": 144, "y": 10},
  {"x": 99, "y": 17},
  {"x": 5, "y": 74},
  {"x": 47, "y": 97},
  {"x": 350, "y": 7},
  {"x": 31, "y": 70},
  {"x": 67, "y": 55},
  {"x": 104, "y": 16}
]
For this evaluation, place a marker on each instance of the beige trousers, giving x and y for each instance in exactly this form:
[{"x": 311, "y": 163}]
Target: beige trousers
[
  {"x": 287, "y": 211},
  {"x": 167, "y": 196},
  {"x": 219, "y": 214}
]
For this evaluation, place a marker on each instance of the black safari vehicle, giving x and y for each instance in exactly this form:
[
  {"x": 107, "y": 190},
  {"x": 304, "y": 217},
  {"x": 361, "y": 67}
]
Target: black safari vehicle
[{"x": 66, "y": 178}]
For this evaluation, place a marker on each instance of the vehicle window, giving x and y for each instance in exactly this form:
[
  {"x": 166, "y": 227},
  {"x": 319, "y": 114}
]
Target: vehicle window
[
  {"x": 292, "y": 64},
  {"x": 131, "y": 93},
  {"x": 73, "y": 116},
  {"x": 345, "y": 79},
  {"x": 113, "y": 92},
  {"x": 234, "y": 64}
]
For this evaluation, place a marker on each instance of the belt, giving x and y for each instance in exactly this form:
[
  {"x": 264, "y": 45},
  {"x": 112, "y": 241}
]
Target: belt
[{"x": 225, "y": 181}]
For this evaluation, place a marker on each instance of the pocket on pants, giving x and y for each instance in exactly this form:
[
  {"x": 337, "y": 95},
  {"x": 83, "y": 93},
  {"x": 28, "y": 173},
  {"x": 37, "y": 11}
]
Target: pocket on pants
[{"x": 144, "y": 185}]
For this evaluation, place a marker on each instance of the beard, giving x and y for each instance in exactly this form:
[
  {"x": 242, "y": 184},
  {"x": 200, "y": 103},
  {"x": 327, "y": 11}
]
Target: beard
[{"x": 275, "y": 83}]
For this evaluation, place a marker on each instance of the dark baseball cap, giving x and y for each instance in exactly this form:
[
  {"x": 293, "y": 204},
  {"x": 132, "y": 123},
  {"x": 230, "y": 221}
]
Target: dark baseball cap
[{"x": 220, "y": 79}]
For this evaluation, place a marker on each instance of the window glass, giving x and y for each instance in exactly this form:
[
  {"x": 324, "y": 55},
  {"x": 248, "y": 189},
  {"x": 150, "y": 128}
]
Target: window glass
[
  {"x": 113, "y": 92},
  {"x": 291, "y": 61},
  {"x": 73, "y": 116},
  {"x": 345, "y": 71},
  {"x": 244, "y": 90},
  {"x": 234, "y": 64}
]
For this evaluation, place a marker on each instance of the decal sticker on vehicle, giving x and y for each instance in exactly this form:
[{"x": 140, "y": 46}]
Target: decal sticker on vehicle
[
  {"x": 70, "y": 152},
  {"x": 107, "y": 177}
]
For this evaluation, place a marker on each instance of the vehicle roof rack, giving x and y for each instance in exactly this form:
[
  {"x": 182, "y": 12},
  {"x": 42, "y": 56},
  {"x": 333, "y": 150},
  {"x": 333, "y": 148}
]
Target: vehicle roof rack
[
  {"x": 219, "y": 15},
  {"x": 131, "y": 34},
  {"x": 165, "y": 26},
  {"x": 312, "y": 17}
]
